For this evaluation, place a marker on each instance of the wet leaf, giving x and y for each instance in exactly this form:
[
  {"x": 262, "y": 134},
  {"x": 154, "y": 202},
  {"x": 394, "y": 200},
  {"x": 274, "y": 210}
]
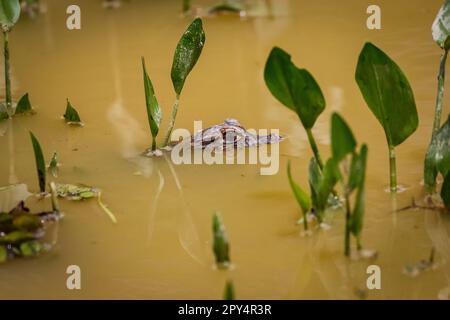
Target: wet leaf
[
  {"x": 3, "y": 254},
  {"x": 153, "y": 110},
  {"x": 293, "y": 87},
  {"x": 445, "y": 191},
  {"x": 27, "y": 222},
  {"x": 31, "y": 248},
  {"x": 75, "y": 192},
  {"x": 71, "y": 115},
  {"x": 342, "y": 139},
  {"x": 437, "y": 159},
  {"x": 357, "y": 216},
  {"x": 220, "y": 245},
  {"x": 40, "y": 162},
  {"x": 303, "y": 200},
  {"x": 53, "y": 166},
  {"x": 9, "y": 13},
  {"x": 187, "y": 53},
  {"x": 388, "y": 94},
  {"x": 229, "y": 291},
  {"x": 16, "y": 237},
  {"x": 441, "y": 26},
  {"x": 24, "y": 105}
]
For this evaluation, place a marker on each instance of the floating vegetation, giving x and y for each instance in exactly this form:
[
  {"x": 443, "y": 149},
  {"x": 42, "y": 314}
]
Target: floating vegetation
[
  {"x": 53, "y": 166},
  {"x": 296, "y": 89},
  {"x": 82, "y": 192},
  {"x": 228, "y": 293},
  {"x": 389, "y": 96},
  {"x": 40, "y": 162},
  {"x": 22, "y": 232},
  {"x": 71, "y": 115},
  {"x": 221, "y": 246}
]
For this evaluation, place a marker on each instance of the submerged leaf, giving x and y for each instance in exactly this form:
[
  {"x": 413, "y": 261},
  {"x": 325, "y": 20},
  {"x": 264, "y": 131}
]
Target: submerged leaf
[
  {"x": 24, "y": 105},
  {"x": 229, "y": 291},
  {"x": 293, "y": 87},
  {"x": 445, "y": 191},
  {"x": 302, "y": 198},
  {"x": 441, "y": 26},
  {"x": 342, "y": 139},
  {"x": 437, "y": 159},
  {"x": 153, "y": 110},
  {"x": 9, "y": 13},
  {"x": 71, "y": 115},
  {"x": 16, "y": 237},
  {"x": 388, "y": 94},
  {"x": 40, "y": 162},
  {"x": 187, "y": 53},
  {"x": 220, "y": 245}
]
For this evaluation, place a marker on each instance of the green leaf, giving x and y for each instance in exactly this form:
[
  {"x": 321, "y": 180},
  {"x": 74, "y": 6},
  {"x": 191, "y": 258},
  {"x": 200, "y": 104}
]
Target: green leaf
[
  {"x": 3, "y": 254},
  {"x": 24, "y": 105},
  {"x": 31, "y": 248},
  {"x": 445, "y": 191},
  {"x": 27, "y": 222},
  {"x": 387, "y": 93},
  {"x": 441, "y": 26},
  {"x": 187, "y": 53},
  {"x": 40, "y": 162},
  {"x": 329, "y": 179},
  {"x": 228, "y": 292},
  {"x": 16, "y": 237},
  {"x": 71, "y": 115},
  {"x": 303, "y": 200},
  {"x": 357, "y": 217},
  {"x": 437, "y": 159},
  {"x": 53, "y": 166},
  {"x": 9, "y": 13},
  {"x": 220, "y": 245},
  {"x": 4, "y": 115},
  {"x": 342, "y": 140},
  {"x": 293, "y": 87},
  {"x": 153, "y": 110}
]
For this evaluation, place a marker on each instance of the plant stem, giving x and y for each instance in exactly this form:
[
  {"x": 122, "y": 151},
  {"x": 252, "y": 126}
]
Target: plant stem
[
  {"x": 7, "y": 78},
  {"x": 313, "y": 144},
  {"x": 153, "y": 143},
  {"x": 347, "y": 226},
  {"x": 440, "y": 93},
  {"x": 172, "y": 121},
  {"x": 393, "y": 169}
]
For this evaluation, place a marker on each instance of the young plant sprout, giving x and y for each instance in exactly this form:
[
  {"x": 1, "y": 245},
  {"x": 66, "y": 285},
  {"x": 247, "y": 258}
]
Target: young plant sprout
[
  {"x": 296, "y": 89},
  {"x": 71, "y": 115},
  {"x": 186, "y": 56},
  {"x": 343, "y": 144},
  {"x": 389, "y": 96},
  {"x": 228, "y": 293},
  {"x": 221, "y": 247},
  {"x": 40, "y": 162},
  {"x": 441, "y": 35},
  {"x": 303, "y": 199},
  {"x": 53, "y": 165},
  {"x": 9, "y": 15},
  {"x": 153, "y": 110}
]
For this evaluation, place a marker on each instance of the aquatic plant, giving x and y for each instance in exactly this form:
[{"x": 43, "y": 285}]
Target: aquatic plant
[
  {"x": 40, "y": 162},
  {"x": 228, "y": 293},
  {"x": 389, "y": 96},
  {"x": 53, "y": 165},
  {"x": 296, "y": 89},
  {"x": 303, "y": 199},
  {"x": 445, "y": 191},
  {"x": 9, "y": 15},
  {"x": 441, "y": 35},
  {"x": 186, "y": 55},
  {"x": 221, "y": 247},
  {"x": 71, "y": 115},
  {"x": 154, "y": 114},
  {"x": 343, "y": 144}
]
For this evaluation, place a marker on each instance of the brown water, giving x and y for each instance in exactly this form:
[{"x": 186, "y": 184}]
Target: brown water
[{"x": 160, "y": 247}]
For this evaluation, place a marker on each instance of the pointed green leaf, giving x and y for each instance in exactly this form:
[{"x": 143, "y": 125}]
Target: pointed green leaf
[
  {"x": 330, "y": 177},
  {"x": 441, "y": 26},
  {"x": 153, "y": 110},
  {"x": 303, "y": 200},
  {"x": 295, "y": 88},
  {"x": 187, "y": 53},
  {"x": 387, "y": 93},
  {"x": 342, "y": 140},
  {"x": 445, "y": 191},
  {"x": 9, "y": 13},
  {"x": 71, "y": 115},
  {"x": 437, "y": 159},
  {"x": 24, "y": 105},
  {"x": 228, "y": 292},
  {"x": 220, "y": 245},
  {"x": 40, "y": 162},
  {"x": 357, "y": 217}
]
